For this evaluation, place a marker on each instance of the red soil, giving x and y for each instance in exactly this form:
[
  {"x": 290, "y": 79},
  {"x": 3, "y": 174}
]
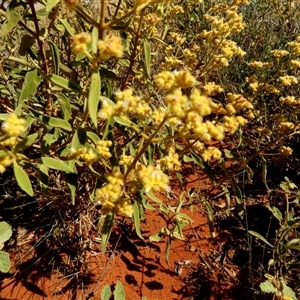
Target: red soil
[{"x": 138, "y": 264}]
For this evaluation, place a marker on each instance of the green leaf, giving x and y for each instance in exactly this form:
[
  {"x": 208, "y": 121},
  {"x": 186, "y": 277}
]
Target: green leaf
[
  {"x": 268, "y": 287},
  {"x": 119, "y": 292},
  {"x": 22, "y": 179},
  {"x": 47, "y": 141},
  {"x": 153, "y": 197},
  {"x": 106, "y": 230},
  {"x": 163, "y": 208},
  {"x": 287, "y": 291},
  {"x": 57, "y": 123},
  {"x": 50, "y": 4},
  {"x": 67, "y": 26},
  {"x": 227, "y": 199},
  {"x": 31, "y": 82},
  {"x": 122, "y": 121},
  {"x": 184, "y": 217},
  {"x": 187, "y": 158},
  {"x": 64, "y": 83},
  {"x": 136, "y": 219},
  {"x": 177, "y": 235},
  {"x": 27, "y": 142},
  {"x": 94, "y": 97},
  {"x": 238, "y": 197},
  {"x": 44, "y": 178},
  {"x": 108, "y": 74},
  {"x": 210, "y": 217},
  {"x": 167, "y": 251},
  {"x": 4, "y": 262},
  {"x": 106, "y": 292},
  {"x": 27, "y": 42},
  {"x": 55, "y": 57},
  {"x": 259, "y": 236},
  {"x": 65, "y": 106},
  {"x": 12, "y": 19},
  {"x": 5, "y": 232},
  {"x": 264, "y": 172},
  {"x": 95, "y": 38},
  {"x": 93, "y": 136},
  {"x": 56, "y": 164},
  {"x": 230, "y": 154},
  {"x": 155, "y": 238},
  {"x": 147, "y": 53},
  {"x": 79, "y": 138},
  {"x": 276, "y": 212},
  {"x": 71, "y": 180}
]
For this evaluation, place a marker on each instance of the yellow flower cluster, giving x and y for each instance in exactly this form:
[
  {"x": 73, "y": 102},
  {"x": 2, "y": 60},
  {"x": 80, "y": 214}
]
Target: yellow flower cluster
[
  {"x": 171, "y": 80},
  {"x": 106, "y": 110},
  {"x": 262, "y": 87},
  {"x": 295, "y": 46},
  {"x": 260, "y": 65},
  {"x": 5, "y": 161},
  {"x": 13, "y": 126},
  {"x": 236, "y": 103},
  {"x": 171, "y": 161},
  {"x": 232, "y": 123},
  {"x": 88, "y": 156},
  {"x": 209, "y": 153},
  {"x": 72, "y": 3},
  {"x": 295, "y": 63},
  {"x": 224, "y": 20},
  {"x": 9, "y": 142},
  {"x": 211, "y": 89},
  {"x": 152, "y": 178},
  {"x": 190, "y": 57},
  {"x": 103, "y": 148},
  {"x": 129, "y": 104},
  {"x": 279, "y": 53},
  {"x": 111, "y": 197},
  {"x": 285, "y": 151},
  {"x": 126, "y": 104},
  {"x": 286, "y": 126},
  {"x": 290, "y": 100},
  {"x": 80, "y": 42},
  {"x": 288, "y": 80},
  {"x": 176, "y": 9},
  {"x": 125, "y": 160},
  {"x": 110, "y": 46}
]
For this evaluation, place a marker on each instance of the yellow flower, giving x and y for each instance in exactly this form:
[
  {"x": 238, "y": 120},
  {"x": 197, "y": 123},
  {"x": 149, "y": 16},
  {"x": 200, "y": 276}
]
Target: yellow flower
[
  {"x": 5, "y": 161},
  {"x": 184, "y": 79},
  {"x": 152, "y": 178},
  {"x": 80, "y": 42},
  {"x": 13, "y": 126},
  {"x": 165, "y": 80},
  {"x": 111, "y": 46}
]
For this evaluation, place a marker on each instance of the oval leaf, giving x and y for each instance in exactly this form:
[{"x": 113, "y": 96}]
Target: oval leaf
[
  {"x": 136, "y": 218},
  {"x": 94, "y": 97},
  {"x": 23, "y": 179},
  {"x": 57, "y": 123},
  {"x": 106, "y": 230},
  {"x": 106, "y": 292},
  {"x": 259, "y": 236},
  {"x": 5, "y": 232},
  {"x": 119, "y": 293},
  {"x": 4, "y": 262},
  {"x": 64, "y": 83},
  {"x": 56, "y": 164}
]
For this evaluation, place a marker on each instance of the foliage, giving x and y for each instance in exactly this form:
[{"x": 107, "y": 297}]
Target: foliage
[
  {"x": 123, "y": 98},
  {"x": 5, "y": 234}
]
